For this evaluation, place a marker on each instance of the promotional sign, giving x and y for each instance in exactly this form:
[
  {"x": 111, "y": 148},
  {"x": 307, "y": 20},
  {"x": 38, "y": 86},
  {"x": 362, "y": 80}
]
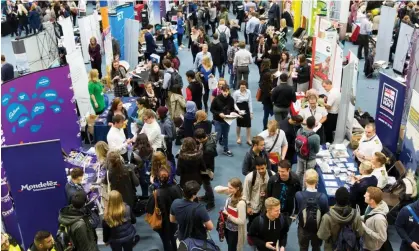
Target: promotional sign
[
  {"x": 403, "y": 43},
  {"x": 132, "y": 29},
  {"x": 68, "y": 31},
  {"x": 39, "y": 194},
  {"x": 409, "y": 155},
  {"x": 389, "y": 113},
  {"x": 40, "y": 106},
  {"x": 322, "y": 52},
  {"x": 296, "y": 13},
  {"x": 117, "y": 21},
  {"x": 385, "y": 33}
]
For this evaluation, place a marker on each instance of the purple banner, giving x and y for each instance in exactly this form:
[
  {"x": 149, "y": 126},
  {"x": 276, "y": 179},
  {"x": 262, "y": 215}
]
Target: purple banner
[
  {"x": 37, "y": 184},
  {"x": 40, "y": 106}
]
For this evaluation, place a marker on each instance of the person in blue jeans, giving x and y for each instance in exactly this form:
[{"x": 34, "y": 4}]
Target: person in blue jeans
[
  {"x": 221, "y": 106},
  {"x": 180, "y": 28}
]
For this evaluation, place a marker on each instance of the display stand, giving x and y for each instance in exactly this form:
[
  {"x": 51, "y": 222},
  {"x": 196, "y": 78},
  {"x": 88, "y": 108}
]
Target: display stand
[
  {"x": 385, "y": 33},
  {"x": 409, "y": 155},
  {"x": 403, "y": 45}
]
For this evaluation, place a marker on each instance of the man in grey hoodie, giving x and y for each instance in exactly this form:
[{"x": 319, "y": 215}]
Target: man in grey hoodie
[{"x": 374, "y": 221}]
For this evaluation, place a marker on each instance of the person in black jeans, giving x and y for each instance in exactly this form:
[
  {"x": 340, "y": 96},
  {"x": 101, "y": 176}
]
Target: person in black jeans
[
  {"x": 217, "y": 54},
  {"x": 265, "y": 87},
  {"x": 290, "y": 126},
  {"x": 282, "y": 96},
  {"x": 141, "y": 158},
  {"x": 363, "y": 37}
]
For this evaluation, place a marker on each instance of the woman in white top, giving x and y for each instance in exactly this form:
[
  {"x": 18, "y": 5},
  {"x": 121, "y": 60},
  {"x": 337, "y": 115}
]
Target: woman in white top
[
  {"x": 243, "y": 105},
  {"x": 276, "y": 143},
  {"x": 379, "y": 160},
  {"x": 234, "y": 214},
  {"x": 152, "y": 129},
  {"x": 318, "y": 112}
]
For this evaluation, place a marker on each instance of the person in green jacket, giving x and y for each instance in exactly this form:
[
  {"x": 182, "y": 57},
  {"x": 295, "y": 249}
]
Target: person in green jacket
[{"x": 96, "y": 92}]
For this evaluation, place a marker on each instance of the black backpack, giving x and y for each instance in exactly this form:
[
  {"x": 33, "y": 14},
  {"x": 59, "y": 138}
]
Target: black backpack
[
  {"x": 223, "y": 36},
  {"x": 176, "y": 81},
  {"x": 310, "y": 215},
  {"x": 347, "y": 240}
]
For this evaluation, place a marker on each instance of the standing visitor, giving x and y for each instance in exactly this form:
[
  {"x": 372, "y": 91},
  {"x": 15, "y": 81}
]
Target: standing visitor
[
  {"x": 141, "y": 157},
  {"x": 218, "y": 55},
  {"x": 212, "y": 11},
  {"x": 275, "y": 56},
  {"x": 407, "y": 226},
  {"x": 95, "y": 56},
  {"x": 201, "y": 55},
  {"x": 151, "y": 97},
  {"x": 234, "y": 32},
  {"x": 202, "y": 122},
  {"x": 285, "y": 66},
  {"x": 276, "y": 144},
  {"x": 257, "y": 150},
  {"x": 217, "y": 91},
  {"x": 119, "y": 80},
  {"x": 158, "y": 162},
  {"x": 221, "y": 106},
  {"x": 168, "y": 131},
  {"x": 291, "y": 126},
  {"x": 303, "y": 74},
  {"x": 180, "y": 28},
  {"x": 118, "y": 231},
  {"x": 11, "y": 17},
  {"x": 206, "y": 71},
  {"x": 117, "y": 108},
  {"x": 234, "y": 214},
  {"x": 243, "y": 106},
  {"x": 7, "y": 71},
  {"x": 190, "y": 162},
  {"x": 283, "y": 96},
  {"x": 231, "y": 52},
  {"x": 266, "y": 86},
  {"x": 224, "y": 15},
  {"x": 34, "y": 19},
  {"x": 189, "y": 119},
  {"x": 193, "y": 43},
  {"x": 332, "y": 106},
  {"x": 363, "y": 37},
  {"x": 152, "y": 129},
  {"x": 43, "y": 241},
  {"x": 96, "y": 92},
  {"x": 242, "y": 60},
  {"x": 116, "y": 137},
  {"x": 251, "y": 26},
  {"x": 271, "y": 229},
  {"x": 273, "y": 13},
  {"x": 75, "y": 183},
  {"x": 150, "y": 42},
  {"x": 156, "y": 77},
  {"x": 22, "y": 16},
  {"x": 319, "y": 113}
]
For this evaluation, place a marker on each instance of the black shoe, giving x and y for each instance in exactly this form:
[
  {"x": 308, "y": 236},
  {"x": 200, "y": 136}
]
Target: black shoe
[
  {"x": 202, "y": 198},
  {"x": 136, "y": 240},
  {"x": 210, "y": 206}
]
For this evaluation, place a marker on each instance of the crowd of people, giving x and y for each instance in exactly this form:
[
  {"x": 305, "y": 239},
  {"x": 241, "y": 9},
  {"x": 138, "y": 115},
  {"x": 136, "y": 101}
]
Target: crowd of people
[{"x": 261, "y": 206}]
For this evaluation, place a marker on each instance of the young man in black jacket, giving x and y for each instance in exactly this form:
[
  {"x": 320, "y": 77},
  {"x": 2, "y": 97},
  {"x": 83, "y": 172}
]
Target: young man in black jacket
[
  {"x": 217, "y": 52},
  {"x": 208, "y": 144},
  {"x": 270, "y": 230},
  {"x": 282, "y": 96},
  {"x": 221, "y": 106},
  {"x": 77, "y": 218},
  {"x": 257, "y": 149},
  {"x": 291, "y": 126},
  {"x": 284, "y": 186},
  {"x": 407, "y": 227},
  {"x": 194, "y": 90}
]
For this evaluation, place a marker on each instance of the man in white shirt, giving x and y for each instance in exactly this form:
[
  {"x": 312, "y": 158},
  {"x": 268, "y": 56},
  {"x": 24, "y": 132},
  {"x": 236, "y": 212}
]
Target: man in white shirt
[
  {"x": 318, "y": 112},
  {"x": 241, "y": 62},
  {"x": 363, "y": 37},
  {"x": 152, "y": 129},
  {"x": 116, "y": 137},
  {"x": 200, "y": 56},
  {"x": 332, "y": 102},
  {"x": 368, "y": 145},
  {"x": 276, "y": 144}
]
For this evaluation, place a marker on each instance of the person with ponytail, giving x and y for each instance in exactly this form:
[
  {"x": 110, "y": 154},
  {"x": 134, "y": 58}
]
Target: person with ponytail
[
  {"x": 159, "y": 161},
  {"x": 235, "y": 214},
  {"x": 379, "y": 161},
  {"x": 166, "y": 194},
  {"x": 141, "y": 157},
  {"x": 118, "y": 229}
]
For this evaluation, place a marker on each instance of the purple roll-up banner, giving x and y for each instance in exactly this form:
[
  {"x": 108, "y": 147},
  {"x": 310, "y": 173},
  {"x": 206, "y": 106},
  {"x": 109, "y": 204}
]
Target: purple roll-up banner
[
  {"x": 8, "y": 213},
  {"x": 40, "y": 106}
]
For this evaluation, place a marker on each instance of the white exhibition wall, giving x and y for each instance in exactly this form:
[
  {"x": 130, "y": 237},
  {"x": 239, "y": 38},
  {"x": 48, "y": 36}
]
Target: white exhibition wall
[
  {"x": 403, "y": 44},
  {"x": 131, "y": 30},
  {"x": 385, "y": 33},
  {"x": 89, "y": 27},
  {"x": 68, "y": 35}
]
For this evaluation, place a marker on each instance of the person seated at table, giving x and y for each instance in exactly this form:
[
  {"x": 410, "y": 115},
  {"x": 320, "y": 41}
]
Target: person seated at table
[
  {"x": 368, "y": 144},
  {"x": 379, "y": 161},
  {"x": 117, "y": 108},
  {"x": 361, "y": 183},
  {"x": 318, "y": 112},
  {"x": 8, "y": 243},
  {"x": 101, "y": 151},
  {"x": 119, "y": 79},
  {"x": 74, "y": 184},
  {"x": 116, "y": 138},
  {"x": 150, "y": 95}
]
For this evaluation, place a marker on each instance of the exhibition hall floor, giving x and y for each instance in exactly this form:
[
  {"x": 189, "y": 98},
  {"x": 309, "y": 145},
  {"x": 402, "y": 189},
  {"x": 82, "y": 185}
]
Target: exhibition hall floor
[{"x": 228, "y": 167}]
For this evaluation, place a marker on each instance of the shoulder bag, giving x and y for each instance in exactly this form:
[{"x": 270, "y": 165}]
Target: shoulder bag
[{"x": 155, "y": 219}]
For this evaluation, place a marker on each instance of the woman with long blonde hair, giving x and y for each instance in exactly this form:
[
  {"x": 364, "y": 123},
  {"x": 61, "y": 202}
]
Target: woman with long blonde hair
[
  {"x": 118, "y": 231},
  {"x": 206, "y": 74},
  {"x": 96, "y": 92},
  {"x": 22, "y": 15},
  {"x": 101, "y": 150},
  {"x": 158, "y": 161},
  {"x": 95, "y": 56}
]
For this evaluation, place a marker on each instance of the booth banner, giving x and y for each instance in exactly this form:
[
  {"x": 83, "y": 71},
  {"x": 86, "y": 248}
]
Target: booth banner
[
  {"x": 40, "y": 106},
  {"x": 107, "y": 44},
  {"x": 154, "y": 12},
  {"x": 39, "y": 194},
  {"x": 132, "y": 29},
  {"x": 68, "y": 35},
  {"x": 403, "y": 44},
  {"x": 8, "y": 213},
  {"x": 412, "y": 78},
  {"x": 409, "y": 155},
  {"x": 79, "y": 78},
  {"x": 117, "y": 22},
  {"x": 389, "y": 112},
  {"x": 337, "y": 68},
  {"x": 104, "y": 14},
  {"x": 338, "y": 10},
  {"x": 385, "y": 33},
  {"x": 296, "y": 13},
  {"x": 322, "y": 52}
]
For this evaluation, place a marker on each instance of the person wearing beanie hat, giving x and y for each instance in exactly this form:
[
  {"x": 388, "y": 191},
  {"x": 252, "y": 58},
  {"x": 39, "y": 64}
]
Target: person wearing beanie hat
[
  {"x": 339, "y": 215},
  {"x": 168, "y": 131}
]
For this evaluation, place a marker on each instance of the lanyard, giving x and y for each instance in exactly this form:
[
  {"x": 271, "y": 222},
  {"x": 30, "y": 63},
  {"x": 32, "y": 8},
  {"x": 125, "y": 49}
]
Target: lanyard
[
  {"x": 368, "y": 140},
  {"x": 314, "y": 115}
]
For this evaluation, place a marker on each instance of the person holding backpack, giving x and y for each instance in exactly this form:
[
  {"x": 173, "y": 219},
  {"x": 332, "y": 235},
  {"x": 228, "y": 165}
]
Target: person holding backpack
[
  {"x": 255, "y": 188},
  {"x": 375, "y": 220},
  {"x": 257, "y": 150},
  {"x": 407, "y": 227},
  {"x": 77, "y": 220},
  {"x": 341, "y": 228},
  {"x": 234, "y": 213},
  {"x": 307, "y": 145},
  {"x": 118, "y": 229},
  {"x": 270, "y": 230},
  {"x": 312, "y": 205}
]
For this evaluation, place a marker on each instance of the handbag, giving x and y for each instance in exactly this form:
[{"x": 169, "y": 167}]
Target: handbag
[
  {"x": 155, "y": 219},
  {"x": 259, "y": 95},
  {"x": 221, "y": 226},
  {"x": 274, "y": 156}
]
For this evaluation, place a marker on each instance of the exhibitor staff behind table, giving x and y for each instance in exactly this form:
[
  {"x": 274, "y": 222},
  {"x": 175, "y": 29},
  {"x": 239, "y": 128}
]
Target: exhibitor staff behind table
[{"x": 368, "y": 144}]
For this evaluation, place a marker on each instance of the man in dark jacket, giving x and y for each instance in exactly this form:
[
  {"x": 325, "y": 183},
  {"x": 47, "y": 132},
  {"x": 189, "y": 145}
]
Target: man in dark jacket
[
  {"x": 284, "y": 186},
  {"x": 221, "y": 106},
  {"x": 74, "y": 184},
  {"x": 7, "y": 72},
  {"x": 217, "y": 53},
  {"x": 291, "y": 126},
  {"x": 44, "y": 241},
  {"x": 407, "y": 227},
  {"x": 76, "y": 218},
  {"x": 208, "y": 144},
  {"x": 150, "y": 42},
  {"x": 168, "y": 130},
  {"x": 282, "y": 96},
  {"x": 269, "y": 229},
  {"x": 257, "y": 149},
  {"x": 273, "y": 14},
  {"x": 194, "y": 90}
]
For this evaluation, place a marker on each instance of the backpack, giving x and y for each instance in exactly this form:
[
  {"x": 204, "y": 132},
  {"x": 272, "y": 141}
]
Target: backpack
[
  {"x": 176, "y": 81},
  {"x": 347, "y": 240},
  {"x": 64, "y": 239},
  {"x": 310, "y": 216},
  {"x": 301, "y": 145},
  {"x": 255, "y": 173},
  {"x": 223, "y": 36}
]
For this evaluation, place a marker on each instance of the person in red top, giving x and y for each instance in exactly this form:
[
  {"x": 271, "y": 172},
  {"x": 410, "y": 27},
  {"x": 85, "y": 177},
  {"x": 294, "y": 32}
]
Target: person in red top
[
  {"x": 175, "y": 60},
  {"x": 194, "y": 90},
  {"x": 218, "y": 91}
]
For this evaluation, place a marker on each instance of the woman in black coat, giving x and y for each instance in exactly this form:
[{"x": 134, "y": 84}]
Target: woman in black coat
[
  {"x": 121, "y": 178},
  {"x": 266, "y": 86},
  {"x": 361, "y": 183},
  {"x": 190, "y": 163}
]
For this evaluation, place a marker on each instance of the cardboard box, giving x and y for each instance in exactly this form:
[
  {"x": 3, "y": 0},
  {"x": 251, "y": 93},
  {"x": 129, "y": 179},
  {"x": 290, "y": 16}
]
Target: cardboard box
[{"x": 355, "y": 140}]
